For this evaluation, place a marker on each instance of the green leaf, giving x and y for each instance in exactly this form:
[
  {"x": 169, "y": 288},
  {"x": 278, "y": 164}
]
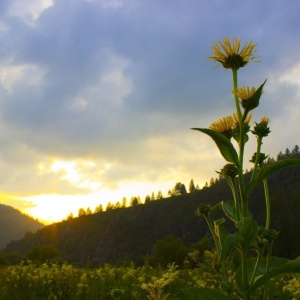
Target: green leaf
[
  {"x": 275, "y": 263},
  {"x": 226, "y": 148},
  {"x": 226, "y": 240},
  {"x": 253, "y": 101},
  {"x": 228, "y": 243},
  {"x": 268, "y": 170},
  {"x": 230, "y": 210},
  {"x": 220, "y": 228},
  {"x": 277, "y": 267},
  {"x": 199, "y": 293},
  {"x": 216, "y": 208},
  {"x": 247, "y": 230}
]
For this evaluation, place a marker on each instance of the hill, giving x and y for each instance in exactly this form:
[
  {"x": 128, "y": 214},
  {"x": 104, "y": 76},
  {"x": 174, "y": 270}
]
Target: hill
[
  {"x": 14, "y": 224},
  {"x": 130, "y": 233}
]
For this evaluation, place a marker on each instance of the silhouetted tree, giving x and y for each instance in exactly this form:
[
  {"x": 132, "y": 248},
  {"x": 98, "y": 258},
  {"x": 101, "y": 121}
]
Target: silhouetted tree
[
  {"x": 117, "y": 205},
  {"x": 98, "y": 209},
  {"x": 279, "y": 156},
  {"x": 81, "y": 212},
  {"x": 70, "y": 216},
  {"x": 295, "y": 150},
  {"x": 147, "y": 199},
  {"x": 88, "y": 211},
  {"x": 192, "y": 186},
  {"x": 134, "y": 201},
  {"x": 159, "y": 195},
  {"x": 152, "y": 196},
  {"x": 124, "y": 202},
  {"x": 109, "y": 206},
  {"x": 179, "y": 189}
]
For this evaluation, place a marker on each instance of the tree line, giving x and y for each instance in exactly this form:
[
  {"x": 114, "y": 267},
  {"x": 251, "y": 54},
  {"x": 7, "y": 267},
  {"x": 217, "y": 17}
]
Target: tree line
[{"x": 178, "y": 190}]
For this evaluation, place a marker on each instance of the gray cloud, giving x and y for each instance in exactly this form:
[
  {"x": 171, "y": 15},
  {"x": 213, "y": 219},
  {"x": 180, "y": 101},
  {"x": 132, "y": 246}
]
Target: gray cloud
[{"x": 122, "y": 82}]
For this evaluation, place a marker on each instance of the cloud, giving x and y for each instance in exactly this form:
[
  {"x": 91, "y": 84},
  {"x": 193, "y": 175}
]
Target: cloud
[{"x": 119, "y": 83}]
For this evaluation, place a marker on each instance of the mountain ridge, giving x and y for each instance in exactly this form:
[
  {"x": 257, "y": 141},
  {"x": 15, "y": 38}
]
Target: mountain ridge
[{"x": 131, "y": 233}]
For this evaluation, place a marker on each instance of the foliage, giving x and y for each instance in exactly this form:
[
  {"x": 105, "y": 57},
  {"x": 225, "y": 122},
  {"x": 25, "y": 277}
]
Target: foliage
[
  {"x": 63, "y": 281},
  {"x": 43, "y": 253},
  {"x": 167, "y": 251}
]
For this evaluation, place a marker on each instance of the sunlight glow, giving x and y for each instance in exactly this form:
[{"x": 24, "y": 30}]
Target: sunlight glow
[{"x": 73, "y": 175}]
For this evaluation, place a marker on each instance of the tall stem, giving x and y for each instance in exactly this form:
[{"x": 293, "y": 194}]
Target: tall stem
[
  {"x": 244, "y": 201},
  {"x": 268, "y": 204},
  {"x": 267, "y": 270},
  {"x": 259, "y": 143},
  {"x": 244, "y": 252}
]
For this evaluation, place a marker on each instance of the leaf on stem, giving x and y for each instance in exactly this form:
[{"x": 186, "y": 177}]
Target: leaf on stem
[
  {"x": 230, "y": 210},
  {"x": 247, "y": 231},
  {"x": 225, "y": 147},
  {"x": 268, "y": 170},
  {"x": 275, "y": 264}
]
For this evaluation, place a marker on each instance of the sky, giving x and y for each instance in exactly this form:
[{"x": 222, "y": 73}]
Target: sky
[{"x": 97, "y": 97}]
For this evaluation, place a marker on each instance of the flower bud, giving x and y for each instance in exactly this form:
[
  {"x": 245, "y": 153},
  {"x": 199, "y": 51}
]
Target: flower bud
[
  {"x": 261, "y": 159},
  {"x": 203, "y": 209},
  {"x": 261, "y": 129},
  {"x": 229, "y": 170}
]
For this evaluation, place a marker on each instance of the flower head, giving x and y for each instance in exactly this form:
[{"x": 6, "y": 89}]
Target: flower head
[
  {"x": 245, "y": 92},
  {"x": 249, "y": 96},
  {"x": 261, "y": 129},
  {"x": 230, "y": 56},
  {"x": 229, "y": 170},
  {"x": 236, "y": 121},
  {"x": 224, "y": 126}
]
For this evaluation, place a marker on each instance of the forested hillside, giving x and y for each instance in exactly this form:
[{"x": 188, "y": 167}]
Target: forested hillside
[
  {"x": 131, "y": 233},
  {"x": 14, "y": 224}
]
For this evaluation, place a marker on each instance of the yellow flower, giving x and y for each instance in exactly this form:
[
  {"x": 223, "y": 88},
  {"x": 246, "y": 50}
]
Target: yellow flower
[
  {"x": 230, "y": 56},
  {"x": 236, "y": 121},
  {"x": 264, "y": 121},
  {"x": 224, "y": 125},
  {"x": 245, "y": 92}
]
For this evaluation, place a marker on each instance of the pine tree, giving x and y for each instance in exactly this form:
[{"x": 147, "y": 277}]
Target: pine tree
[
  {"x": 192, "y": 186},
  {"x": 159, "y": 195},
  {"x": 88, "y": 211},
  {"x": 98, "y": 209},
  {"x": 124, "y": 202},
  {"x": 109, "y": 206},
  {"x": 81, "y": 212}
]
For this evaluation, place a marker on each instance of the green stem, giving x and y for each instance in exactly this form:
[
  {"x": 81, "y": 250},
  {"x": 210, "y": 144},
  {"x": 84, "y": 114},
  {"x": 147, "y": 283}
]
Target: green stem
[
  {"x": 259, "y": 143},
  {"x": 268, "y": 204},
  {"x": 216, "y": 240},
  {"x": 255, "y": 268},
  {"x": 233, "y": 187},
  {"x": 244, "y": 201},
  {"x": 245, "y": 273},
  {"x": 267, "y": 270}
]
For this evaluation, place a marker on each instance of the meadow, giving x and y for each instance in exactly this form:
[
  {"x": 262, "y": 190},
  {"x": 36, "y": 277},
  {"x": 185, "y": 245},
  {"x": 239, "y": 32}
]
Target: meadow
[{"x": 62, "y": 281}]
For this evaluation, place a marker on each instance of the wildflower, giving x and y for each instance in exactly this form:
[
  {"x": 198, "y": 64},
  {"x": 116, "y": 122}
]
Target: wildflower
[
  {"x": 249, "y": 96},
  {"x": 236, "y": 127},
  {"x": 262, "y": 157},
  {"x": 230, "y": 56},
  {"x": 229, "y": 170},
  {"x": 261, "y": 129},
  {"x": 203, "y": 209},
  {"x": 224, "y": 126}
]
